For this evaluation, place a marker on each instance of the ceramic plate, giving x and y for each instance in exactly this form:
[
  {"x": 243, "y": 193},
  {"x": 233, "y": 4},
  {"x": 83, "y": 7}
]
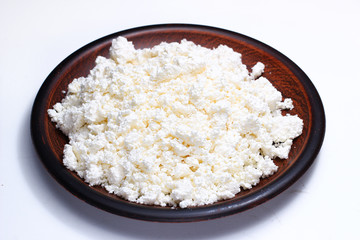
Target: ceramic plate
[{"x": 285, "y": 75}]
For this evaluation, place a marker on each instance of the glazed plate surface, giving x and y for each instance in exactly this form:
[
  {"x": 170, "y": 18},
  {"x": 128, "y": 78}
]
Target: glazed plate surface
[{"x": 285, "y": 75}]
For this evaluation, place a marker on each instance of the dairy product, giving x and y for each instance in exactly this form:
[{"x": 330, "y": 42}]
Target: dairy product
[{"x": 177, "y": 124}]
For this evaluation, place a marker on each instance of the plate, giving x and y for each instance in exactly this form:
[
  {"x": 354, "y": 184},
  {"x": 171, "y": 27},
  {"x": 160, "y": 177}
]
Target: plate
[{"x": 285, "y": 75}]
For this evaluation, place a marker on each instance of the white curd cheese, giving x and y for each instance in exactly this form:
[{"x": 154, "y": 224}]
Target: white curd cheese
[{"x": 174, "y": 125}]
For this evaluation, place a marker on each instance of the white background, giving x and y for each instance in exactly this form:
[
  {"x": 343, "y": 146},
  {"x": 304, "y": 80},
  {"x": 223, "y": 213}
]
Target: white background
[{"x": 322, "y": 37}]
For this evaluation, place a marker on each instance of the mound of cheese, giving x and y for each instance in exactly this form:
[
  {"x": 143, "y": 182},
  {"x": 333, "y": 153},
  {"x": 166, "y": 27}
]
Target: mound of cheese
[{"x": 177, "y": 124}]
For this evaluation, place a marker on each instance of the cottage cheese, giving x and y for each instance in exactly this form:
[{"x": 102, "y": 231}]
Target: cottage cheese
[{"x": 177, "y": 124}]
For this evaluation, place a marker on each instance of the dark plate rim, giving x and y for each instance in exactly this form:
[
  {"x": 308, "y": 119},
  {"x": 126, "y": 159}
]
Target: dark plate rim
[{"x": 149, "y": 213}]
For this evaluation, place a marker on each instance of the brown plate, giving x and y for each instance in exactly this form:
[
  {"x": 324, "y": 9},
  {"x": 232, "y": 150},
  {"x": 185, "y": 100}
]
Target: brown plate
[{"x": 285, "y": 75}]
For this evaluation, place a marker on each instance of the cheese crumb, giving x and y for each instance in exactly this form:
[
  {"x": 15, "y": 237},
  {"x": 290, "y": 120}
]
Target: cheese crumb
[{"x": 174, "y": 125}]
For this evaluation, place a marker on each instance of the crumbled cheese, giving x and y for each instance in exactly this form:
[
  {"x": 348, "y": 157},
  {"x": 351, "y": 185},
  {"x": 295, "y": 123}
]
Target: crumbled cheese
[
  {"x": 257, "y": 70},
  {"x": 177, "y": 124}
]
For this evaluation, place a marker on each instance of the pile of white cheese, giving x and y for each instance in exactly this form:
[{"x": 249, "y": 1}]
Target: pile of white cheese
[{"x": 174, "y": 125}]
